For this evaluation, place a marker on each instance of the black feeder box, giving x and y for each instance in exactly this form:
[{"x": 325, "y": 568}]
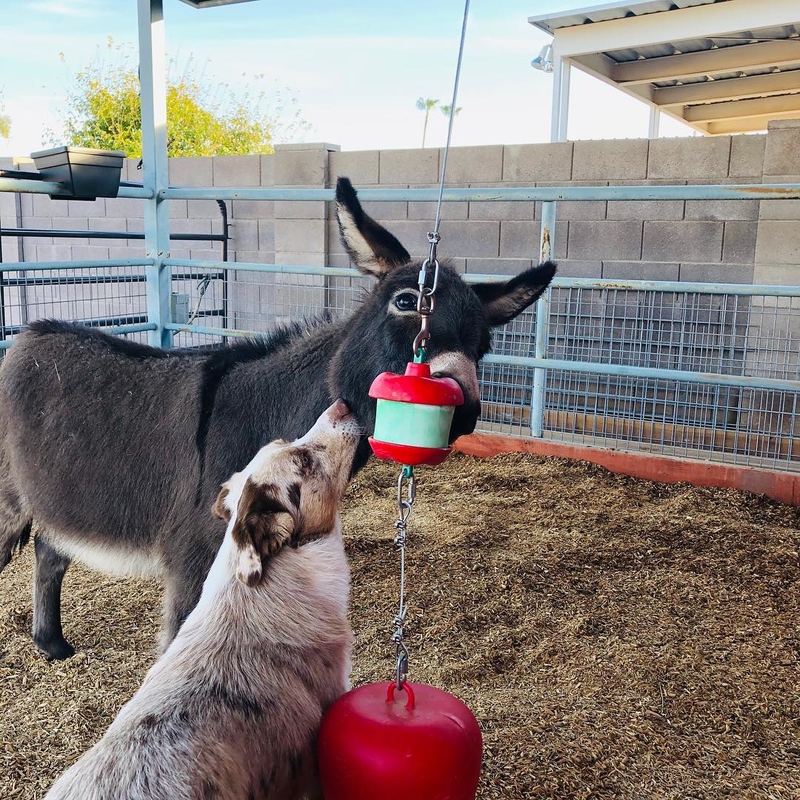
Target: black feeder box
[{"x": 86, "y": 173}]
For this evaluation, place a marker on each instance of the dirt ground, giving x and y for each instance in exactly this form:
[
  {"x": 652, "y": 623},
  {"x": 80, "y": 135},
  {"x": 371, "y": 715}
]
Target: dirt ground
[{"x": 615, "y": 638}]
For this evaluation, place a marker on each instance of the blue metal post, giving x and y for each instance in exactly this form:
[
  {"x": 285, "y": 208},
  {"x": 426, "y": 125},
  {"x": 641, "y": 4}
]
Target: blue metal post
[
  {"x": 152, "y": 69},
  {"x": 542, "y": 320}
]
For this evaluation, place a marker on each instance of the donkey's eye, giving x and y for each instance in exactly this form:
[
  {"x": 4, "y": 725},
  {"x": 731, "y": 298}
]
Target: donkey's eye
[{"x": 407, "y": 301}]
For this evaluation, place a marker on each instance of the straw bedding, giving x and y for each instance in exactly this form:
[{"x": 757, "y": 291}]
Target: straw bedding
[{"x": 615, "y": 638}]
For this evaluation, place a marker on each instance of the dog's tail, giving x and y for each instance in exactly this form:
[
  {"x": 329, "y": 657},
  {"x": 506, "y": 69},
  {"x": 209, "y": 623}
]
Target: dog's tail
[{"x": 15, "y": 544}]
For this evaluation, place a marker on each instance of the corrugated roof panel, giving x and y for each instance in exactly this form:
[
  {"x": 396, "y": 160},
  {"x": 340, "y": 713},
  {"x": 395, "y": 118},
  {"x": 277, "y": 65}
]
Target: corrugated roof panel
[{"x": 609, "y": 11}]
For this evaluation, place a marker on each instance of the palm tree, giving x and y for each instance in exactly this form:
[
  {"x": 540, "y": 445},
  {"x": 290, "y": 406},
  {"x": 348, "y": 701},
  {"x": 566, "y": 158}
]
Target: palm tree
[
  {"x": 426, "y": 104},
  {"x": 445, "y": 109}
]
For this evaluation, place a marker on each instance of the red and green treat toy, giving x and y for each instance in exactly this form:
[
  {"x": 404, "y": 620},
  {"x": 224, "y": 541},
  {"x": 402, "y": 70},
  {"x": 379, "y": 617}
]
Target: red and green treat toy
[{"x": 414, "y": 415}]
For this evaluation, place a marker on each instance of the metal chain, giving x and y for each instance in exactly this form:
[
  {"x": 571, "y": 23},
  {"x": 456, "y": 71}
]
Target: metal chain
[{"x": 405, "y": 481}]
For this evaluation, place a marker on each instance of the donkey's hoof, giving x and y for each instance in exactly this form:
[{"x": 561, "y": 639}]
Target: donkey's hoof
[{"x": 55, "y": 649}]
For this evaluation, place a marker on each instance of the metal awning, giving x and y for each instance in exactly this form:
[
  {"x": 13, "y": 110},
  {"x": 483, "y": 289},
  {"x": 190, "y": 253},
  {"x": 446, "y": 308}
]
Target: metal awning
[{"x": 720, "y": 66}]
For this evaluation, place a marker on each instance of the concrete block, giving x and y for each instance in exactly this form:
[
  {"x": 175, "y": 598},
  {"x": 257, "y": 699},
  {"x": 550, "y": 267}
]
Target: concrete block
[
  {"x": 200, "y": 209},
  {"x": 779, "y": 209},
  {"x": 384, "y": 212},
  {"x": 739, "y": 242},
  {"x": 92, "y": 252},
  {"x": 502, "y": 210},
  {"x": 193, "y": 171},
  {"x": 251, "y": 209},
  {"x": 782, "y": 153},
  {"x": 409, "y": 167},
  {"x": 717, "y": 273},
  {"x": 413, "y": 234},
  {"x": 681, "y": 157},
  {"x": 236, "y": 170},
  {"x": 497, "y": 266},
  {"x": 532, "y": 163},
  {"x": 49, "y": 252},
  {"x": 204, "y": 253},
  {"x": 579, "y": 268},
  {"x": 458, "y": 264},
  {"x": 299, "y": 236},
  {"x": 302, "y": 209},
  {"x": 747, "y": 156},
  {"x": 567, "y": 210},
  {"x": 267, "y": 169},
  {"x": 621, "y": 159},
  {"x": 178, "y": 209},
  {"x": 254, "y": 257},
  {"x": 645, "y": 209},
  {"x": 120, "y": 251},
  {"x": 301, "y": 167},
  {"x": 776, "y": 274},
  {"x": 722, "y": 209},
  {"x": 135, "y": 225},
  {"x": 519, "y": 239},
  {"x": 682, "y": 241},
  {"x": 428, "y": 211},
  {"x": 468, "y": 239},
  {"x": 641, "y": 270},
  {"x": 190, "y": 226},
  {"x": 604, "y": 239},
  {"x": 86, "y": 208},
  {"x": 778, "y": 242},
  {"x": 244, "y": 234},
  {"x": 301, "y": 258},
  {"x": 339, "y": 260},
  {"x": 125, "y": 208},
  {"x": 266, "y": 235},
  {"x": 469, "y": 165},
  {"x": 43, "y": 206},
  {"x": 362, "y": 167}
]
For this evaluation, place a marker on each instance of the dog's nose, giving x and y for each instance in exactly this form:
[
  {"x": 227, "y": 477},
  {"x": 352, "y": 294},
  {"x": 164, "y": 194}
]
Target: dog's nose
[{"x": 339, "y": 410}]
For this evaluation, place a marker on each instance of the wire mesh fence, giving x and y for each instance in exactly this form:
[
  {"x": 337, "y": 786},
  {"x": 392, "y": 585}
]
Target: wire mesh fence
[{"x": 720, "y": 330}]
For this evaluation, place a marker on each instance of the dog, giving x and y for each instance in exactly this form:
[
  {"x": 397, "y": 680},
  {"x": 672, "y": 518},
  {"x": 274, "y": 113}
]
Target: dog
[{"x": 232, "y": 708}]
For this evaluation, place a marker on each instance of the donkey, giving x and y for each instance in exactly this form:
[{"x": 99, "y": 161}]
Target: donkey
[{"x": 116, "y": 450}]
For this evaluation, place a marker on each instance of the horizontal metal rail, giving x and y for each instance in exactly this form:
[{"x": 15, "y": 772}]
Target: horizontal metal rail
[
  {"x": 785, "y": 191},
  {"x": 287, "y": 269},
  {"x": 30, "y": 186},
  {"x": 36, "y": 266},
  {"x": 61, "y": 233}
]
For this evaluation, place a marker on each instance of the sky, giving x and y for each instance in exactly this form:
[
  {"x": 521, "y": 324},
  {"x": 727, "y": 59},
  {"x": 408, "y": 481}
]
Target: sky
[{"x": 354, "y": 67}]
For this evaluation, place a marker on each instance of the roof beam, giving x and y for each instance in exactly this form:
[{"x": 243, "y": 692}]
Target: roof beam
[
  {"x": 757, "y": 107},
  {"x": 709, "y": 62},
  {"x": 742, "y": 125},
  {"x": 728, "y": 89},
  {"x": 696, "y": 22}
]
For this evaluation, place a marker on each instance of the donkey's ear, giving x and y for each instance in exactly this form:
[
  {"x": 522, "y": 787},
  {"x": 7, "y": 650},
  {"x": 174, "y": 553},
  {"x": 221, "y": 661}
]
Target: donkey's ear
[
  {"x": 373, "y": 249},
  {"x": 263, "y": 526},
  {"x": 503, "y": 301}
]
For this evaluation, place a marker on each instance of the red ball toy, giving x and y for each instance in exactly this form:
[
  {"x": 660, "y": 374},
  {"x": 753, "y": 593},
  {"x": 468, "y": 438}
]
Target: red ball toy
[{"x": 418, "y": 743}]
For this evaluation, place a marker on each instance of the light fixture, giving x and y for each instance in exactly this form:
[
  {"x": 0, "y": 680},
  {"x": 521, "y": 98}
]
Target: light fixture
[{"x": 544, "y": 61}]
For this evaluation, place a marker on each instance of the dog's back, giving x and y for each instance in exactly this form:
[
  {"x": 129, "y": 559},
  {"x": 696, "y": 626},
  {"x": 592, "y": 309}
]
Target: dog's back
[{"x": 232, "y": 708}]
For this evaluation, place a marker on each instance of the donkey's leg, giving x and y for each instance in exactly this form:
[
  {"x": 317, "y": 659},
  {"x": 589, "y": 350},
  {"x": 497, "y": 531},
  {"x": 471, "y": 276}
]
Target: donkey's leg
[
  {"x": 180, "y": 597},
  {"x": 14, "y": 535},
  {"x": 48, "y": 576}
]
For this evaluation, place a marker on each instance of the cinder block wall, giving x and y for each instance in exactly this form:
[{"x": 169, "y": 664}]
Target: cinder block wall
[{"x": 737, "y": 241}]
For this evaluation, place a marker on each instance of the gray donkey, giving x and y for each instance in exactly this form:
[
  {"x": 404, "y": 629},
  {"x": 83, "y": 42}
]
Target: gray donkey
[{"x": 116, "y": 450}]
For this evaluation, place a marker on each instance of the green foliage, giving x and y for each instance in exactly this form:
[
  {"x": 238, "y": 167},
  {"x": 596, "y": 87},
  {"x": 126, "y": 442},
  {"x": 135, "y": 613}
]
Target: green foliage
[
  {"x": 202, "y": 119},
  {"x": 5, "y": 121},
  {"x": 426, "y": 104}
]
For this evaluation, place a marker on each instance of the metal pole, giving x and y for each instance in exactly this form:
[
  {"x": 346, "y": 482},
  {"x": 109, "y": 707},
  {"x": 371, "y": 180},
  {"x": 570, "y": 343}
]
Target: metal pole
[
  {"x": 560, "y": 110},
  {"x": 152, "y": 76},
  {"x": 542, "y": 322},
  {"x": 654, "y": 127}
]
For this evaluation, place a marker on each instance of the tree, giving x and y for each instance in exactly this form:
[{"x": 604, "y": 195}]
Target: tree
[
  {"x": 445, "y": 109},
  {"x": 426, "y": 104},
  {"x": 203, "y": 119},
  {"x": 5, "y": 122}
]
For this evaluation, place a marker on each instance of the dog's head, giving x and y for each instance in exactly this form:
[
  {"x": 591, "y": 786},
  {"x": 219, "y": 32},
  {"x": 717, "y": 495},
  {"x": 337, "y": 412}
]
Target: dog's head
[{"x": 290, "y": 491}]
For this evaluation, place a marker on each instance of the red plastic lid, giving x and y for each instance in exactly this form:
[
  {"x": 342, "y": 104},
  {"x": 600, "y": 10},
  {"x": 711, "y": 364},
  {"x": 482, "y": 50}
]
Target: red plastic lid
[
  {"x": 408, "y": 454},
  {"x": 417, "y": 386}
]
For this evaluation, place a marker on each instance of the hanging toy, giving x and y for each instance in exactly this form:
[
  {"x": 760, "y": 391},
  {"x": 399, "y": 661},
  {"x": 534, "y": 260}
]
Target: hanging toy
[
  {"x": 402, "y": 740},
  {"x": 413, "y": 416},
  {"x": 379, "y": 744}
]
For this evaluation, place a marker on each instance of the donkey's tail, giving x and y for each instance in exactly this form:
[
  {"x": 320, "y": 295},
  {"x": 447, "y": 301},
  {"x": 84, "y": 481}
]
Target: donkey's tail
[{"x": 14, "y": 544}]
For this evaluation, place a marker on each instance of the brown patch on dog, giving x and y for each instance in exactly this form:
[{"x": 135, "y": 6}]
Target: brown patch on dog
[{"x": 220, "y": 509}]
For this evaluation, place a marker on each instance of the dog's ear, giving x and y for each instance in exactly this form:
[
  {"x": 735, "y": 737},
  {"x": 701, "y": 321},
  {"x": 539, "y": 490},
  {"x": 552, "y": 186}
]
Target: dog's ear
[
  {"x": 263, "y": 526},
  {"x": 220, "y": 508}
]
